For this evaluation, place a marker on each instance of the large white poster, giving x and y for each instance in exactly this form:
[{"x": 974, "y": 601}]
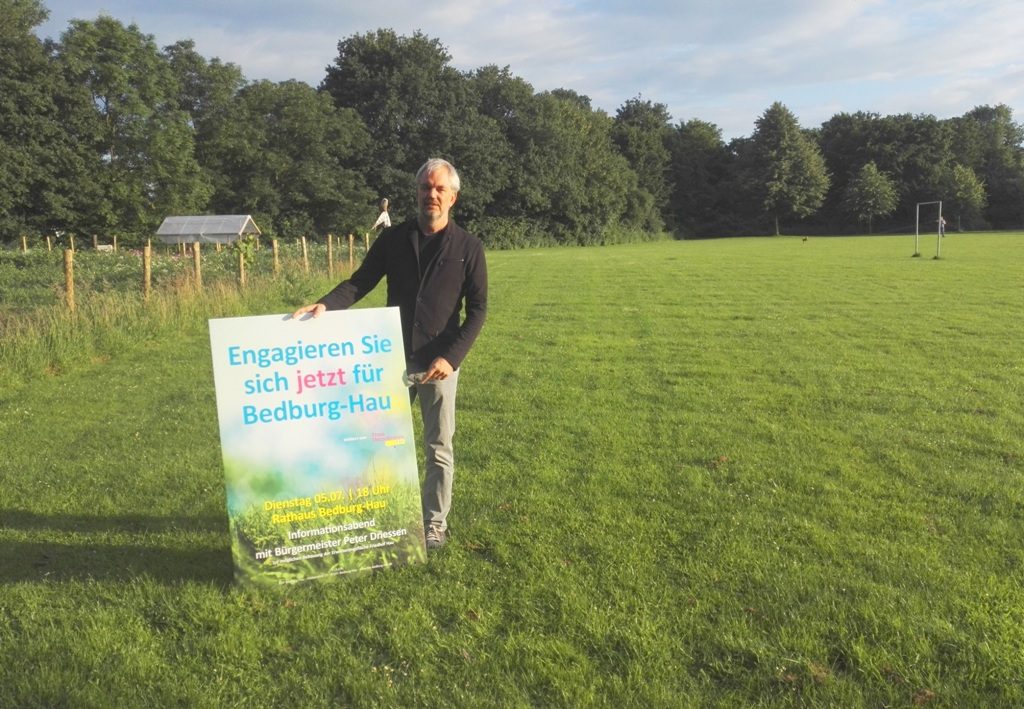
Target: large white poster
[{"x": 317, "y": 439}]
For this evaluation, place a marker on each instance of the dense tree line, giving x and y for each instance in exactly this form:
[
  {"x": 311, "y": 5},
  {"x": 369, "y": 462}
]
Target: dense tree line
[{"x": 104, "y": 132}]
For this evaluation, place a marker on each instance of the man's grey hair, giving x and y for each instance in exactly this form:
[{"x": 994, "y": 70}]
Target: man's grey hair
[{"x": 434, "y": 164}]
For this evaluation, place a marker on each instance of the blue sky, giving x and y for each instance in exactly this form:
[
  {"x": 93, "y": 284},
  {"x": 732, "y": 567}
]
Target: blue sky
[{"x": 722, "y": 61}]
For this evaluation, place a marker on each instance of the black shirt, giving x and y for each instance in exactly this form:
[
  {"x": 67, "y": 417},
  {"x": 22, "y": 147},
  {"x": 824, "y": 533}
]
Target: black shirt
[
  {"x": 430, "y": 294},
  {"x": 428, "y": 248}
]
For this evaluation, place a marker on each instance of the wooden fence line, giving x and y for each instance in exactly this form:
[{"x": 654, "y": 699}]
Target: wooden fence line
[
  {"x": 197, "y": 261},
  {"x": 197, "y": 266},
  {"x": 69, "y": 278},
  {"x": 147, "y": 271}
]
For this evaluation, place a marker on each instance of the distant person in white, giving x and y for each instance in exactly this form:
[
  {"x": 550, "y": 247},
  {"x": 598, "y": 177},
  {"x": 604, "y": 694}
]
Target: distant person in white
[{"x": 384, "y": 220}]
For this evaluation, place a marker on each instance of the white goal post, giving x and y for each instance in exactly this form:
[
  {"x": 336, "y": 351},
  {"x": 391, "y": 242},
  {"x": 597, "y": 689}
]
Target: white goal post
[{"x": 938, "y": 228}]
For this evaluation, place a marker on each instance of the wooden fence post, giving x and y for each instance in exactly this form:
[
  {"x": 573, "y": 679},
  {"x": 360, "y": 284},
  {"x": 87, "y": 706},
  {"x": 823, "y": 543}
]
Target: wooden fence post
[
  {"x": 305, "y": 255},
  {"x": 115, "y": 243},
  {"x": 197, "y": 265},
  {"x": 241, "y": 268},
  {"x": 69, "y": 278},
  {"x": 351, "y": 253},
  {"x": 277, "y": 257},
  {"x": 49, "y": 243},
  {"x": 330, "y": 255},
  {"x": 24, "y": 244},
  {"x": 366, "y": 242},
  {"x": 95, "y": 242},
  {"x": 147, "y": 270}
]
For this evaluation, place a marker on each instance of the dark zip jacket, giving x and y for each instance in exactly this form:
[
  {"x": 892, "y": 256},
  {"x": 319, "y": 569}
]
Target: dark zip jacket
[{"x": 430, "y": 308}]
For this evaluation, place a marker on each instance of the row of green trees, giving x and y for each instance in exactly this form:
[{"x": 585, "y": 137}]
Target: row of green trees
[
  {"x": 104, "y": 132},
  {"x": 857, "y": 171}
]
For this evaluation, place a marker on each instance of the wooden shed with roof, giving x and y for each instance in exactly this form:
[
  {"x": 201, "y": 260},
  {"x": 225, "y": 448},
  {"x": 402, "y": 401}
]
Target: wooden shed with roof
[{"x": 208, "y": 229}]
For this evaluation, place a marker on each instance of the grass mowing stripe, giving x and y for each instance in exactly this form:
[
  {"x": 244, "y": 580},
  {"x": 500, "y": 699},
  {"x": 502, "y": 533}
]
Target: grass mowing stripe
[{"x": 762, "y": 471}]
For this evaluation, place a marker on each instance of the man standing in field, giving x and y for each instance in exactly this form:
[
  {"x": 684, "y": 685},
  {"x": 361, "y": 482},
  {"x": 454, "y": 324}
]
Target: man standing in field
[{"x": 432, "y": 266}]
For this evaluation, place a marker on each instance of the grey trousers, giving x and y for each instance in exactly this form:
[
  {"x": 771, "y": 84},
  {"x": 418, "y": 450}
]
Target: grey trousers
[{"x": 437, "y": 404}]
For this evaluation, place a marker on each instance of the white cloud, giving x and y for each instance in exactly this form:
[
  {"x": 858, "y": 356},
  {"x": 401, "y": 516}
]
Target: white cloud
[{"x": 722, "y": 61}]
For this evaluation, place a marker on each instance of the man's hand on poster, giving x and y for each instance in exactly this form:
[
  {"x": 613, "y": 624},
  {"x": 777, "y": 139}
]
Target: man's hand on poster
[{"x": 317, "y": 309}]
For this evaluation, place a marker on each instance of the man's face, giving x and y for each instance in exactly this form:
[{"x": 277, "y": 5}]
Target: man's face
[{"x": 435, "y": 197}]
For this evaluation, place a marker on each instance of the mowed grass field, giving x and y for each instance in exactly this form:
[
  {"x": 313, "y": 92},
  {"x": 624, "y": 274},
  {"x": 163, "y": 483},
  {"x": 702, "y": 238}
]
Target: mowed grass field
[{"x": 745, "y": 472}]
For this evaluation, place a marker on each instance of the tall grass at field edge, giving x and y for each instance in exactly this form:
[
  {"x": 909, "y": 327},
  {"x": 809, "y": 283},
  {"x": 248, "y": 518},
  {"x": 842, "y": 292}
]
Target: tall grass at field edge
[{"x": 53, "y": 339}]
